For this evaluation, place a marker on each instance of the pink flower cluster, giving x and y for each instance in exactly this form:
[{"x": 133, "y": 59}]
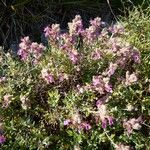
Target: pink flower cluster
[
  {"x": 30, "y": 51},
  {"x": 117, "y": 29},
  {"x": 68, "y": 41},
  {"x": 124, "y": 51},
  {"x": 2, "y": 139},
  {"x": 2, "y": 79},
  {"x": 131, "y": 124},
  {"x": 122, "y": 147},
  {"x": 111, "y": 69},
  {"x": 68, "y": 47},
  {"x": 76, "y": 26},
  {"x": 101, "y": 84},
  {"x": 49, "y": 77},
  {"x": 102, "y": 115},
  {"x": 6, "y": 100},
  {"x": 52, "y": 33},
  {"x": 130, "y": 78},
  {"x": 90, "y": 34},
  {"x": 96, "y": 54},
  {"x": 74, "y": 56},
  {"x": 77, "y": 122},
  {"x": 25, "y": 102}
]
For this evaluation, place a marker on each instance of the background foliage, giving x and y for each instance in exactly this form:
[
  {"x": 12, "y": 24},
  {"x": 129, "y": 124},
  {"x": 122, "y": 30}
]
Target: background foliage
[{"x": 28, "y": 17}]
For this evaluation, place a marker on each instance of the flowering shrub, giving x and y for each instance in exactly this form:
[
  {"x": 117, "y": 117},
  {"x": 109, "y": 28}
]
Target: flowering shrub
[{"x": 83, "y": 91}]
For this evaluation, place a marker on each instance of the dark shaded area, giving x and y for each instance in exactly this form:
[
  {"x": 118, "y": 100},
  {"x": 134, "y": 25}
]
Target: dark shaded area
[{"x": 20, "y": 18}]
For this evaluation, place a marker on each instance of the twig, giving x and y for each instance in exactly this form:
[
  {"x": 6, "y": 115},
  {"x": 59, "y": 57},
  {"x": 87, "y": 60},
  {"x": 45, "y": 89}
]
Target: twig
[
  {"x": 111, "y": 10},
  {"x": 115, "y": 145}
]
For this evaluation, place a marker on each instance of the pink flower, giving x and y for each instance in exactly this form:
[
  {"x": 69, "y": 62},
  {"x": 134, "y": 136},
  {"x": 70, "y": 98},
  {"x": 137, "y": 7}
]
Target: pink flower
[
  {"x": 24, "y": 54},
  {"x": 50, "y": 78},
  {"x": 122, "y": 147},
  {"x": 110, "y": 120},
  {"x": 95, "y": 55},
  {"x": 2, "y": 139},
  {"x": 75, "y": 27},
  {"x": 27, "y": 49},
  {"x": 52, "y": 32},
  {"x": 101, "y": 84},
  {"x": 96, "y": 22},
  {"x": 131, "y": 124},
  {"x": 114, "y": 44},
  {"x": 24, "y": 48},
  {"x": 102, "y": 114},
  {"x": 107, "y": 120},
  {"x": 7, "y": 100},
  {"x": 125, "y": 51},
  {"x": 62, "y": 77},
  {"x": 130, "y": 78},
  {"x": 2, "y": 79},
  {"x": 136, "y": 56},
  {"x": 74, "y": 57},
  {"x": 96, "y": 80},
  {"x": 85, "y": 126},
  {"x": 108, "y": 88},
  {"x": 101, "y": 101},
  {"x": 37, "y": 48},
  {"x": 67, "y": 122},
  {"x": 117, "y": 28},
  {"x": 47, "y": 76},
  {"x": 104, "y": 123},
  {"x": 26, "y": 40},
  {"x": 91, "y": 33},
  {"x": 47, "y": 31},
  {"x": 111, "y": 70}
]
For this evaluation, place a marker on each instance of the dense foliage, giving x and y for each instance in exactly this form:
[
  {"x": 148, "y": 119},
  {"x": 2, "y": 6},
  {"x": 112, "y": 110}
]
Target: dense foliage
[{"x": 89, "y": 89}]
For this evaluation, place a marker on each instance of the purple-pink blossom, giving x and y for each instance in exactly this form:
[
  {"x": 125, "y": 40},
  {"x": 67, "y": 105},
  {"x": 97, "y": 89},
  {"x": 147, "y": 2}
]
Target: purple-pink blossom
[
  {"x": 110, "y": 120},
  {"x": 85, "y": 125},
  {"x": 74, "y": 56},
  {"x": 3, "y": 79},
  {"x": 131, "y": 124},
  {"x": 76, "y": 26},
  {"x": 136, "y": 56},
  {"x": 2, "y": 139},
  {"x": 107, "y": 120},
  {"x": 62, "y": 77},
  {"x": 101, "y": 101},
  {"x": 90, "y": 34},
  {"x": 53, "y": 32},
  {"x": 95, "y": 55},
  {"x": 28, "y": 49},
  {"x": 122, "y": 147},
  {"x": 101, "y": 84},
  {"x": 117, "y": 29},
  {"x": 47, "y": 76},
  {"x": 130, "y": 78},
  {"x": 111, "y": 69},
  {"x": 67, "y": 122},
  {"x": 96, "y": 22},
  {"x": 103, "y": 115},
  {"x": 6, "y": 100},
  {"x": 104, "y": 123}
]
